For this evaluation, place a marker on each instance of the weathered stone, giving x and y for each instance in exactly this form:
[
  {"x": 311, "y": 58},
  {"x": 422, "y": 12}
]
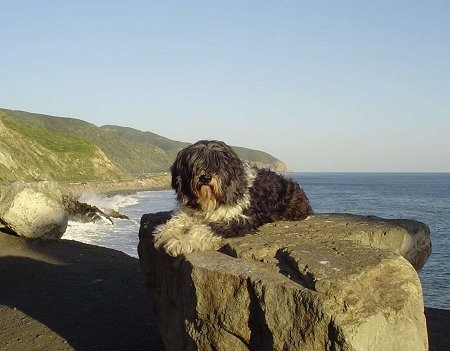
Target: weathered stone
[
  {"x": 33, "y": 210},
  {"x": 84, "y": 212},
  {"x": 310, "y": 285},
  {"x": 408, "y": 237}
]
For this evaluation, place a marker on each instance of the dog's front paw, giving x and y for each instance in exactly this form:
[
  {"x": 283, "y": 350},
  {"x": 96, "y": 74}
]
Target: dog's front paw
[
  {"x": 193, "y": 238},
  {"x": 175, "y": 247},
  {"x": 174, "y": 242},
  {"x": 170, "y": 245}
]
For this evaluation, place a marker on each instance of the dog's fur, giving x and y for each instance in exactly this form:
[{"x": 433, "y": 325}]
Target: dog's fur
[{"x": 221, "y": 196}]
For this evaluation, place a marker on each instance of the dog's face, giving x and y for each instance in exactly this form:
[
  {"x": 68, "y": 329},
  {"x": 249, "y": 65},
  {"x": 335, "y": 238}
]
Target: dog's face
[{"x": 208, "y": 174}]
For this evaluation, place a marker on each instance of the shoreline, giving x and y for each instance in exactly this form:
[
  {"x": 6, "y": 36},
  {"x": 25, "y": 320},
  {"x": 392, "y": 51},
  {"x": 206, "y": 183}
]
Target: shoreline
[{"x": 151, "y": 182}]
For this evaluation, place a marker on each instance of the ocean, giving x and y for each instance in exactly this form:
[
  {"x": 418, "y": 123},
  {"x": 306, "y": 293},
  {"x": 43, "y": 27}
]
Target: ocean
[{"x": 421, "y": 196}]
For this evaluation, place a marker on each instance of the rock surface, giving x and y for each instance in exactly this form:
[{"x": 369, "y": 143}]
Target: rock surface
[
  {"x": 332, "y": 282},
  {"x": 33, "y": 210}
]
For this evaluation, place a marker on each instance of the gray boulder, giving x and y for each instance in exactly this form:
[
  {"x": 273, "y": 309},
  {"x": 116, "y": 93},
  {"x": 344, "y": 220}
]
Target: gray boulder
[
  {"x": 33, "y": 210},
  {"x": 332, "y": 282}
]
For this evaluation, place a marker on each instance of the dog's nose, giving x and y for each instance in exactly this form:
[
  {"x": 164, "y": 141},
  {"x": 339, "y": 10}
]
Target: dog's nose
[{"x": 205, "y": 179}]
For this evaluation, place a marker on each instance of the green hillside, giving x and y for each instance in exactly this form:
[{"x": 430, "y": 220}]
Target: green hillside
[
  {"x": 33, "y": 153},
  {"x": 171, "y": 147},
  {"x": 134, "y": 157},
  {"x": 38, "y": 146}
]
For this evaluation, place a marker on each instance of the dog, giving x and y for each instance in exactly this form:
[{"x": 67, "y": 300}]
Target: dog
[{"x": 220, "y": 196}]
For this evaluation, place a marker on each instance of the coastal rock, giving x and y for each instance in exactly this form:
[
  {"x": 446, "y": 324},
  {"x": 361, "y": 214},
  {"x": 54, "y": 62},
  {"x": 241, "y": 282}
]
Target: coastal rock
[
  {"x": 116, "y": 214},
  {"x": 33, "y": 210},
  {"x": 407, "y": 237},
  {"x": 84, "y": 212},
  {"x": 332, "y": 282}
]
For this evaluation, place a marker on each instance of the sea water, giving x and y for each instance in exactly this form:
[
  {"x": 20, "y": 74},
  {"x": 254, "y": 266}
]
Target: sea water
[{"x": 421, "y": 196}]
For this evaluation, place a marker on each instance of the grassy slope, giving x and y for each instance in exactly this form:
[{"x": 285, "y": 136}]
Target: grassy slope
[
  {"x": 134, "y": 157},
  {"x": 133, "y": 151},
  {"x": 172, "y": 147},
  {"x": 34, "y": 153}
]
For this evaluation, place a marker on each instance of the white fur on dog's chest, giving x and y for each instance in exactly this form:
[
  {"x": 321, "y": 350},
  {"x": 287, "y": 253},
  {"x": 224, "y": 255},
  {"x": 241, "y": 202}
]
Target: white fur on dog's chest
[{"x": 223, "y": 213}]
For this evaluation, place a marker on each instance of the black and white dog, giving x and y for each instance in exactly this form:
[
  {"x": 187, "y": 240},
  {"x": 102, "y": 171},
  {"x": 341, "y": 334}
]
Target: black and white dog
[{"x": 221, "y": 196}]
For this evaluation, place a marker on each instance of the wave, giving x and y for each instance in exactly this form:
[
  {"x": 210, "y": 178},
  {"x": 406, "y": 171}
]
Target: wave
[
  {"x": 89, "y": 233},
  {"x": 106, "y": 203},
  {"x": 121, "y": 234}
]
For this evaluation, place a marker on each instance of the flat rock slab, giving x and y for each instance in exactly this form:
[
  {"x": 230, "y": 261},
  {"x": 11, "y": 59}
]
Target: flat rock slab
[
  {"x": 409, "y": 238},
  {"x": 331, "y": 282}
]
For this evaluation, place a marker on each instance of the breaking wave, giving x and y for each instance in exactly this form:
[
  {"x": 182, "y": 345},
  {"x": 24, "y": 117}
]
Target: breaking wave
[
  {"x": 122, "y": 234},
  {"x": 105, "y": 203}
]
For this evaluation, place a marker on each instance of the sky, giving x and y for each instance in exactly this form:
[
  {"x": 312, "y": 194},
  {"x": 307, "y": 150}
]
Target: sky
[{"x": 324, "y": 86}]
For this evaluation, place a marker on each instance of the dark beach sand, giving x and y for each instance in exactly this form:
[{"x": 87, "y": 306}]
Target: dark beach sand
[{"x": 66, "y": 295}]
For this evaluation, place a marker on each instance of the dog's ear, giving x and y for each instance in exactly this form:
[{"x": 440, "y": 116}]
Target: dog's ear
[
  {"x": 176, "y": 183},
  {"x": 176, "y": 178}
]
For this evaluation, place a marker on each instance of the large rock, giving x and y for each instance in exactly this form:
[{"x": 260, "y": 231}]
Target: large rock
[
  {"x": 33, "y": 210},
  {"x": 332, "y": 282}
]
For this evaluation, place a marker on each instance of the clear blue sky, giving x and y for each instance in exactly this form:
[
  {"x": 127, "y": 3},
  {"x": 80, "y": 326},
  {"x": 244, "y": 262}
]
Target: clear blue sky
[{"x": 322, "y": 85}]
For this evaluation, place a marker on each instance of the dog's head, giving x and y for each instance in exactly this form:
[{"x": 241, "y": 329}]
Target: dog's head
[{"x": 208, "y": 174}]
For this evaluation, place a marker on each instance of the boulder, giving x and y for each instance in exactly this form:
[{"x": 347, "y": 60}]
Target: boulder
[
  {"x": 33, "y": 210},
  {"x": 331, "y": 282}
]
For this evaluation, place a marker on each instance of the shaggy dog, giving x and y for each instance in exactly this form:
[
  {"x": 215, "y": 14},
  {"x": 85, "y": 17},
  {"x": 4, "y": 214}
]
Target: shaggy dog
[{"x": 221, "y": 196}]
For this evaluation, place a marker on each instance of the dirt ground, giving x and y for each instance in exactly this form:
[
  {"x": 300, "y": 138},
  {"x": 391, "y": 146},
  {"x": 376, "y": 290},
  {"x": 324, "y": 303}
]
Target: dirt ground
[{"x": 66, "y": 295}]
